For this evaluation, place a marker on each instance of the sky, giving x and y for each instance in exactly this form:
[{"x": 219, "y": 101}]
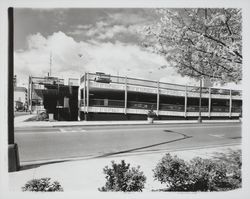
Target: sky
[{"x": 75, "y": 41}]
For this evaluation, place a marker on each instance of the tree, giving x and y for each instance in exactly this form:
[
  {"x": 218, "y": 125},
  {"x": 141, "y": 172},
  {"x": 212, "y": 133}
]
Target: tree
[{"x": 200, "y": 42}]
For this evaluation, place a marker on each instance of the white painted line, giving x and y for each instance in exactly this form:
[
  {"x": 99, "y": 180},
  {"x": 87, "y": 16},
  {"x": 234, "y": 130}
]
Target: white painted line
[
  {"x": 71, "y": 130},
  {"x": 217, "y": 135},
  {"x": 161, "y": 128},
  {"x": 80, "y": 129}
]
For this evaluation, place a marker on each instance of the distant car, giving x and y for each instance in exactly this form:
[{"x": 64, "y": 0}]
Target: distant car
[
  {"x": 19, "y": 106},
  {"x": 103, "y": 78}
]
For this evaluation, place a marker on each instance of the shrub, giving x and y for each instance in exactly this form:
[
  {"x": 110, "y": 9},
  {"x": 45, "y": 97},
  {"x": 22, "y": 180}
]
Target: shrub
[
  {"x": 233, "y": 163},
  {"x": 172, "y": 171},
  {"x": 199, "y": 174},
  {"x": 207, "y": 175},
  {"x": 43, "y": 185},
  {"x": 120, "y": 177},
  {"x": 42, "y": 117},
  {"x": 151, "y": 113}
]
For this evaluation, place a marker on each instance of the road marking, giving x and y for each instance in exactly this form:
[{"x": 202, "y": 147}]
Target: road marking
[
  {"x": 71, "y": 130},
  {"x": 156, "y": 128},
  {"x": 217, "y": 135},
  {"x": 80, "y": 129}
]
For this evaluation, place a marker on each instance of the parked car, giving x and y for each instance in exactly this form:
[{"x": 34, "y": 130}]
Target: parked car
[
  {"x": 19, "y": 106},
  {"x": 102, "y": 77}
]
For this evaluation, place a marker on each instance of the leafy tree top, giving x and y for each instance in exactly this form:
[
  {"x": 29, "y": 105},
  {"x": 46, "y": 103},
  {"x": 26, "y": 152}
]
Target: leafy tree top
[{"x": 200, "y": 42}]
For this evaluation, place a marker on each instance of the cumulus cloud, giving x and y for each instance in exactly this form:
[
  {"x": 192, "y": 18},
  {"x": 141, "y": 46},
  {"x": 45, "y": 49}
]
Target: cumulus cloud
[
  {"x": 103, "y": 31},
  {"x": 71, "y": 59}
]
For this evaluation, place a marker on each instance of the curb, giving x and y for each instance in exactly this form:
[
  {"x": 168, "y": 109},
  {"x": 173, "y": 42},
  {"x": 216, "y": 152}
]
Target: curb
[{"x": 125, "y": 124}]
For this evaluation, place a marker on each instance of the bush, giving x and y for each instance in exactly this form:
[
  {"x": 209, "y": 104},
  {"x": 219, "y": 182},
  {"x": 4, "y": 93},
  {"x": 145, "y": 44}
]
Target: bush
[
  {"x": 172, "y": 171},
  {"x": 207, "y": 175},
  {"x": 39, "y": 117},
  {"x": 120, "y": 177},
  {"x": 151, "y": 113},
  {"x": 199, "y": 174},
  {"x": 42, "y": 117},
  {"x": 233, "y": 163},
  {"x": 43, "y": 185}
]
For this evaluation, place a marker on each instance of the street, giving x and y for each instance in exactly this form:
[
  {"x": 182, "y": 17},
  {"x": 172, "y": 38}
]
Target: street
[{"x": 56, "y": 143}]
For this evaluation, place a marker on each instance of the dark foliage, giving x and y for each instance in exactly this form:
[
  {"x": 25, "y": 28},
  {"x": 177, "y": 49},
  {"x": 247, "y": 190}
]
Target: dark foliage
[
  {"x": 199, "y": 174},
  {"x": 43, "y": 185},
  {"x": 120, "y": 177}
]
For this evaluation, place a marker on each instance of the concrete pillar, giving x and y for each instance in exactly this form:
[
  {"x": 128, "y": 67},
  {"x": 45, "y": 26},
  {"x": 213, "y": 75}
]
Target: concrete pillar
[
  {"x": 230, "y": 104},
  {"x": 158, "y": 98},
  {"x": 79, "y": 101},
  {"x": 126, "y": 96},
  {"x": 84, "y": 93},
  {"x": 29, "y": 94},
  {"x": 186, "y": 97},
  {"x": 200, "y": 99},
  {"x": 209, "y": 103},
  {"x": 87, "y": 106}
]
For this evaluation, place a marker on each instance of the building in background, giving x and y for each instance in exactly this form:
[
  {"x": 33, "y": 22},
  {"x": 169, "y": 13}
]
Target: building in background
[
  {"x": 20, "y": 99},
  {"x": 105, "y": 97},
  {"x": 53, "y": 96},
  {"x": 20, "y": 96}
]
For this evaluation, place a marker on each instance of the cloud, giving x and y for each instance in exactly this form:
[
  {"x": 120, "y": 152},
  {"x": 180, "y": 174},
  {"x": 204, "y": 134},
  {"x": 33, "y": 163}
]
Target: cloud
[
  {"x": 131, "y": 16},
  {"x": 71, "y": 59},
  {"x": 108, "y": 31},
  {"x": 80, "y": 29},
  {"x": 76, "y": 32},
  {"x": 87, "y": 26},
  {"x": 112, "y": 31},
  {"x": 36, "y": 41}
]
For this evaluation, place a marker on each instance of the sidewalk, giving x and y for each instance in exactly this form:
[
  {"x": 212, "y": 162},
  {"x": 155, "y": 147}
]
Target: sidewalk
[
  {"x": 23, "y": 118},
  {"x": 86, "y": 174},
  {"x": 20, "y": 122}
]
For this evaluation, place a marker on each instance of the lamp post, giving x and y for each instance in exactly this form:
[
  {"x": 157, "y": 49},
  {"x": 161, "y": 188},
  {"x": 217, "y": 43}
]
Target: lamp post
[{"x": 13, "y": 153}]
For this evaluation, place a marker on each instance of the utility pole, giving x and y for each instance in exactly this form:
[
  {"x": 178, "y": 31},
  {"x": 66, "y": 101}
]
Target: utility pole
[{"x": 13, "y": 154}]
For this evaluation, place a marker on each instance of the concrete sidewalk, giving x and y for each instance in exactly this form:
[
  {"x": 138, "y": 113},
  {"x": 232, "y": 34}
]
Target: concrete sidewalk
[
  {"x": 21, "y": 122},
  {"x": 23, "y": 118},
  {"x": 87, "y": 174}
]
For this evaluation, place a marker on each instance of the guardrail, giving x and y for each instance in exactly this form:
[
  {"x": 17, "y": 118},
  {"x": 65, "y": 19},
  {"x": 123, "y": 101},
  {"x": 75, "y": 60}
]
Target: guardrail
[
  {"x": 47, "y": 80},
  {"x": 236, "y": 109},
  {"x": 171, "y": 107},
  {"x": 109, "y": 79},
  {"x": 196, "y": 109},
  {"x": 141, "y": 105},
  {"x": 106, "y": 102},
  {"x": 219, "y": 109},
  {"x": 162, "y": 107}
]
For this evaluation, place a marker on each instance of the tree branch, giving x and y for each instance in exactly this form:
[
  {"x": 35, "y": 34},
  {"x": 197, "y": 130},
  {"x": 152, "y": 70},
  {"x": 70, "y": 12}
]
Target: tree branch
[{"x": 216, "y": 40}]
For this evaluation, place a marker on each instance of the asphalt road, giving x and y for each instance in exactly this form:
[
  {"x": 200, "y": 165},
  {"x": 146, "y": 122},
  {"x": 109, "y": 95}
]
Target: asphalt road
[{"x": 48, "y": 144}]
